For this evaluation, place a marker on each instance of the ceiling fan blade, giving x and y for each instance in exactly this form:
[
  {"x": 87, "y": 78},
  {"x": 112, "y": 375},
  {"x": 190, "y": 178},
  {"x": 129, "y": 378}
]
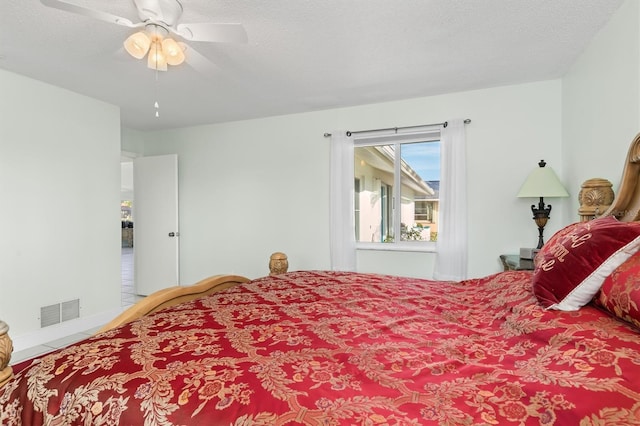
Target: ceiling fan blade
[
  {"x": 222, "y": 33},
  {"x": 199, "y": 62},
  {"x": 92, "y": 13}
]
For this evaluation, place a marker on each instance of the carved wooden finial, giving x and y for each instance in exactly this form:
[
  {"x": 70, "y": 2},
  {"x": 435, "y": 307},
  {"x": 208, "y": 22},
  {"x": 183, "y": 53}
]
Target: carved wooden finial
[
  {"x": 595, "y": 197},
  {"x": 6, "y": 347},
  {"x": 278, "y": 263}
]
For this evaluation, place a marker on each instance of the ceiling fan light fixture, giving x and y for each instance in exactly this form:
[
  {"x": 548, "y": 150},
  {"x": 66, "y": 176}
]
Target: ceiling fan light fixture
[
  {"x": 172, "y": 51},
  {"x": 160, "y": 18},
  {"x": 157, "y": 59},
  {"x": 137, "y": 44}
]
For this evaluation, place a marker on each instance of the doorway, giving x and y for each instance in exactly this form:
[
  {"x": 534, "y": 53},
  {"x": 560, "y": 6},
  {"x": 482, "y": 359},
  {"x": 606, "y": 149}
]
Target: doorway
[
  {"x": 127, "y": 271},
  {"x": 151, "y": 255}
]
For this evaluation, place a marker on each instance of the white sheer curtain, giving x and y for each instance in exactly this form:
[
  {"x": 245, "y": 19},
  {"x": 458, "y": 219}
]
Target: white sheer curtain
[
  {"x": 342, "y": 231},
  {"x": 451, "y": 258}
]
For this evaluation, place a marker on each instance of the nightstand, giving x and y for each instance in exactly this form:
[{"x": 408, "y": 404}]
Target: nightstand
[{"x": 513, "y": 262}]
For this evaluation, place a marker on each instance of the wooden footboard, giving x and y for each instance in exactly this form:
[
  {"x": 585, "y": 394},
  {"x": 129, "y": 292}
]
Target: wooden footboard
[
  {"x": 172, "y": 296},
  {"x": 152, "y": 303}
]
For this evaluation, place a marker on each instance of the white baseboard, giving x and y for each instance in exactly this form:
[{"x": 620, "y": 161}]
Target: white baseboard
[{"x": 61, "y": 330}]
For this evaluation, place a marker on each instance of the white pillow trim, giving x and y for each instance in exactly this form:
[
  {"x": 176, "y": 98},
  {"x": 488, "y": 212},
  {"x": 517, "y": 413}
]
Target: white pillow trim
[{"x": 584, "y": 292}]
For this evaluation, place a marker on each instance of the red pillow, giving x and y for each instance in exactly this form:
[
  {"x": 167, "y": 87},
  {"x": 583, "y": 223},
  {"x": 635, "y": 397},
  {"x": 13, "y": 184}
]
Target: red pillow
[
  {"x": 553, "y": 241},
  {"x": 620, "y": 291},
  {"x": 571, "y": 267}
]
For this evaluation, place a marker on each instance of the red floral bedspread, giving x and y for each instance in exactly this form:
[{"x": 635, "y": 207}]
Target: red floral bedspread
[{"x": 329, "y": 348}]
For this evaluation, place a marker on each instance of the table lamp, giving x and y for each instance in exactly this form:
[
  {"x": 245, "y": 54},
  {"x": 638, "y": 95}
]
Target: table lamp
[{"x": 542, "y": 182}]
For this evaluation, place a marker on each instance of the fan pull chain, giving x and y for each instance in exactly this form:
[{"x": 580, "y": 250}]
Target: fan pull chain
[{"x": 155, "y": 105}]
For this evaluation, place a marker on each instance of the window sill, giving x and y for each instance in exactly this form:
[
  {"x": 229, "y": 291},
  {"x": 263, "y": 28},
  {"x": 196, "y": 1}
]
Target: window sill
[{"x": 427, "y": 247}]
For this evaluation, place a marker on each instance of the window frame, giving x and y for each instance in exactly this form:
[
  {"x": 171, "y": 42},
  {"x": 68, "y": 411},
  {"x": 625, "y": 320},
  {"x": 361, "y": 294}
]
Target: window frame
[{"x": 396, "y": 139}]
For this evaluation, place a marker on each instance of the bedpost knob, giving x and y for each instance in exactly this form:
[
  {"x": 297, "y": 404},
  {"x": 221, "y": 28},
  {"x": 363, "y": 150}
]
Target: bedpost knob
[
  {"x": 6, "y": 347},
  {"x": 278, "y": 263}
]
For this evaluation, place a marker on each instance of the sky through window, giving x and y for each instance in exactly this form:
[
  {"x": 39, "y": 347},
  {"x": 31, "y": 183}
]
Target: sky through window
[{"x": 424, "y": 158}]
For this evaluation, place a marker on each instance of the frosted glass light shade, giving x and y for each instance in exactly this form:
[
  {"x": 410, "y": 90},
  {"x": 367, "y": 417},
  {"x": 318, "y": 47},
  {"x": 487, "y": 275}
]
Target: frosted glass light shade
[
  {"x": 157, "y": 59},
  {"x": 162, "y": 51},
  {"x": 542, "y": 182},
  {"x": 172, "y": 52},
  {"x": 137, "y": 44}
]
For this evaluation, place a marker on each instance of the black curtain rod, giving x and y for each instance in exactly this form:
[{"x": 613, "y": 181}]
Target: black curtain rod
[{"x": 349, "y": 133}]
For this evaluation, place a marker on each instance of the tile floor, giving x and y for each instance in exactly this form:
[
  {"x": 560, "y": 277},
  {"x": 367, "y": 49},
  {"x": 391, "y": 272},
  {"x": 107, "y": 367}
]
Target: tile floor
[
  {"x": 35, "y": 351},
  {"x": 128, "y": 298}
]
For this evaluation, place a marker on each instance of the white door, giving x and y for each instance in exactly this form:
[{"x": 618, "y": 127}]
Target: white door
[{"x": 156, "y": 246}]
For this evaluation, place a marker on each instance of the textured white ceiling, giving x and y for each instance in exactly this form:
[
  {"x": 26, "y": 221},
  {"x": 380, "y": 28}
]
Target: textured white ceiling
[{"x": 302, "y": 55}]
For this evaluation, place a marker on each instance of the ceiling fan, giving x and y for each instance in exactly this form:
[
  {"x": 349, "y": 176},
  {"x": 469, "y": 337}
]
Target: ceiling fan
[{"x": 159, "y": 19}]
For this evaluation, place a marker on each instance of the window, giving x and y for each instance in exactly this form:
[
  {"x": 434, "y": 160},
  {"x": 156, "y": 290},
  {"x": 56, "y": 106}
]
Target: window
[
  {"x": 396, "y": 188},
  {"x": 446, "y": 211}
]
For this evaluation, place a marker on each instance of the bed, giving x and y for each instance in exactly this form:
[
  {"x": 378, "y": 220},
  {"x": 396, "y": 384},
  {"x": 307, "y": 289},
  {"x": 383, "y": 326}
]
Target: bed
[{"x": 558, "y": 345}]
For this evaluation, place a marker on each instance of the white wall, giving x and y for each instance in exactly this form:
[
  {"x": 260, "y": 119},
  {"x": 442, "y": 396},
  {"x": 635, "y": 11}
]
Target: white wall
[
  {"x": 59, "y": 183},
  {"x": 601, "y": 102},
  {"x": 132, "y": 140},
  {"x": 253, "y": 187}
]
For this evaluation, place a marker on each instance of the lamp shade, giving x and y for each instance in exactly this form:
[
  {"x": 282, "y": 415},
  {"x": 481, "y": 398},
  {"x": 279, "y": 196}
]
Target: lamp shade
[
  {"x": 172, "y": 51},
  {"x": 162, "y": 50},
  {"x": 542, "y": 182},
  {"x": 137, "y": 44},
  {"x": 156, "y": 60}
]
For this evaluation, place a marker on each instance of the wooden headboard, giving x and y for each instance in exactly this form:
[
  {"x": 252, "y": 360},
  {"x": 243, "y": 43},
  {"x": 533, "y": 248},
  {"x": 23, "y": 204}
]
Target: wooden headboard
[{"x": 626, "y": 205}]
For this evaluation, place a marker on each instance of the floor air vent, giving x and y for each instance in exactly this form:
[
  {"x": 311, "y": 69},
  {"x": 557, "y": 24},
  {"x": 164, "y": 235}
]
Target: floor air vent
[{"x": 54, "y": 314}]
